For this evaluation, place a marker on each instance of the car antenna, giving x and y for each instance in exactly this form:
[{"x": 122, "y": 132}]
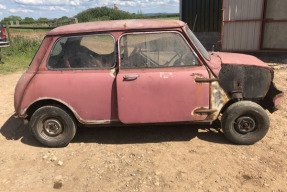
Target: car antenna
[{"x": 194, "y": 22}]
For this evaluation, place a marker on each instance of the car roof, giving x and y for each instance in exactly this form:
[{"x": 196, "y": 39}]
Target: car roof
[{"x": 116, "y": 25}]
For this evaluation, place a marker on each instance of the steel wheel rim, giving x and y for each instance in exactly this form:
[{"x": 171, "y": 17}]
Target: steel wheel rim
[
  {"x": 52, "y": 127},
  {"x": 245, "y": 124}
]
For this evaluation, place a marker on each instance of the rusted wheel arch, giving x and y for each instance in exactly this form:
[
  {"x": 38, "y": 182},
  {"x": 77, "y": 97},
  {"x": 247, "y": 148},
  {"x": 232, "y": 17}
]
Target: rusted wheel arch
[{"x": 38, "y": 104}]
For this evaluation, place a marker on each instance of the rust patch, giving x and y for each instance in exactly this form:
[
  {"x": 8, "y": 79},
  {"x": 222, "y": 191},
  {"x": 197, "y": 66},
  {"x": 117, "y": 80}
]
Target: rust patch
[
  {"x": 205, "y": 111},
  {"x": 113, "y": 72},
  {"x": 205, "y": 80},
  {"x": 218, "y": 98},
  {"x": 197, "y": 116}
]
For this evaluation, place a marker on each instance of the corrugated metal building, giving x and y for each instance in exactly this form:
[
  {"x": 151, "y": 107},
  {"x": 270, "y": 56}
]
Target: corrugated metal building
[
  {"x": 204, "y": 19},
  {"x": 245, "y": 25},
  {"x": 202, "y": 15}
]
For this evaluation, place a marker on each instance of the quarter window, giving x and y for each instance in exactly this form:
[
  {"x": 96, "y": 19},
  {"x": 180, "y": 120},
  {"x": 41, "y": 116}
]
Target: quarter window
[
  {"x": 83, "y": 52},
  {"x": 155, "y": 50}
]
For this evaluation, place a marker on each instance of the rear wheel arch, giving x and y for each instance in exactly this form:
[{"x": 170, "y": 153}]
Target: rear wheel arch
[{"x": 48, "y": 102}]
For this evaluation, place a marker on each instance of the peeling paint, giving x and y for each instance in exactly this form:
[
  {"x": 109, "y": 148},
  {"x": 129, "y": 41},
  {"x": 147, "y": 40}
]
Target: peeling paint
[
  {"x": 197, "y": 116},
  {"x": 218, "y": 98},
  {"x": 196, "y": 74},
  {"x": 113, "y": 72},
  {"x": 165, "y": 75}
]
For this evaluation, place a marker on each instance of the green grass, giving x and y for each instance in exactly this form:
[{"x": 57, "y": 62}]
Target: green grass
[
  {"x": 18, "y": 56},
  {"x": 29, "y": 30},
  {"x": 173, "y": 18}
]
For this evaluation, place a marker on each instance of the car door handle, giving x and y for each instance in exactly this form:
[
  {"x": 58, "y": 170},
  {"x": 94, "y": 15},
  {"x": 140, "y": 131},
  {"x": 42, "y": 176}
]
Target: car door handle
[{"x": 130, "y": 77}]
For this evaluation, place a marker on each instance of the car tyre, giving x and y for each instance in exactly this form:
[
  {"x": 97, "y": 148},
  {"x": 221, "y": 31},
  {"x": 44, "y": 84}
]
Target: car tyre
[
  {"x": 53, "y": 126},
  {"x": 245, "y": 123}
]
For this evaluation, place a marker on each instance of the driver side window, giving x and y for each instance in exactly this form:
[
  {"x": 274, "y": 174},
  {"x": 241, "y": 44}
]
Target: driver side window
[{"x": 155, "y": 50}]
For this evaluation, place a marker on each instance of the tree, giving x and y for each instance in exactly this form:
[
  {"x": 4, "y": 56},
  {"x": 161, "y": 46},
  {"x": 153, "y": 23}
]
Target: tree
[
  {"x": 64, "y": 18},
  {"x": 42, "y": 20},
  {"x": 28, "y": 20},
  {"x": 11, "y": 18},
  {"x": 105, "y": 13}
]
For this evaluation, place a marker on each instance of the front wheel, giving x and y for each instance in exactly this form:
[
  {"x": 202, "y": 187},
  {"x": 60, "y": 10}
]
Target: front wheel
[
  {"x": 53, "y": 126},
  {"x": 245, "y": 122}
]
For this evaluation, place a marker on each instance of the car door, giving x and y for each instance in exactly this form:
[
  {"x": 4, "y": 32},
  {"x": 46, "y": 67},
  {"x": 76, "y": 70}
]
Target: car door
[{"x": 156, "y": 79}]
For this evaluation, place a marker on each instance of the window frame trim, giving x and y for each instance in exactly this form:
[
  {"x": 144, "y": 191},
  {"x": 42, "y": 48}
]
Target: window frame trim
[
  {"x": 75, "y": 69},
  {"x": 158, "y": 32}
]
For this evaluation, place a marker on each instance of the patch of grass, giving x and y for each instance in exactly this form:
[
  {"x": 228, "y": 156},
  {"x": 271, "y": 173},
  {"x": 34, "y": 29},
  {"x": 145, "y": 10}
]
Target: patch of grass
[
  {"x": 18, "y": 56},
  {"x": 28, "y": 30},
  {"x": 172, "y": 18}
]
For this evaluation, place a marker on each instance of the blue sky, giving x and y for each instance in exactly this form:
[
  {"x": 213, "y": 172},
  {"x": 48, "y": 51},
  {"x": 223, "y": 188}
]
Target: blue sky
[{"x": 59, "y": 8}]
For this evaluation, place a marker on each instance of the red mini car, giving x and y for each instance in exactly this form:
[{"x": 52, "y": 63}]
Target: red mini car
[{"x": 141, "y": 72}]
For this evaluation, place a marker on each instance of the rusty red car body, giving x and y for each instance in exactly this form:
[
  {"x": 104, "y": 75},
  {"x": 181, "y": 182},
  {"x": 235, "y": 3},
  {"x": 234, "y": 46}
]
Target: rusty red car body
[{"x": 195, "y": 93}]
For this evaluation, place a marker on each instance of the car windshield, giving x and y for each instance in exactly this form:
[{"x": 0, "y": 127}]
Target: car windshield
[{"x": 197, "y": 43}]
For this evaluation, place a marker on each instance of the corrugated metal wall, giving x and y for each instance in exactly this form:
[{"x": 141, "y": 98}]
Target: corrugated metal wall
[
  {"x": 242, "y": 25},
  {"x": 203, "y": 15},
  {"x": 275, "y": 26}
]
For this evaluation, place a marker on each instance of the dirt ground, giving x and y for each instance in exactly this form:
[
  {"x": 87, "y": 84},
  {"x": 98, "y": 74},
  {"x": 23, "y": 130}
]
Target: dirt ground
[{"x": 148, "y": 158}]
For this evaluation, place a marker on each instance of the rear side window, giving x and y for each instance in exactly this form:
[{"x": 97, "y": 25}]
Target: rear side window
[
  {"x": 83, "y": 52},
  {"x": 155, "y": 50}
]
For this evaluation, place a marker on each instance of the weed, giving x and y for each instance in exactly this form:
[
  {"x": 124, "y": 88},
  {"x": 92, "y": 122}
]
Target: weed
[{"x": 18, "y": 56}]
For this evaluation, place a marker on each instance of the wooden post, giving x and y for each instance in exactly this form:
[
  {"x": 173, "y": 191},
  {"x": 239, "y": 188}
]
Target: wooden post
[
  {"x": 1, "y": 57},
  {"x": 8, "y": 32},
  {"x": 75, "y": 20}
]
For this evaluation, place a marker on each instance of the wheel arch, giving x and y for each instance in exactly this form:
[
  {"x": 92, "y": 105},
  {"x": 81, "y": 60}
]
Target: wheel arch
[
  {"x": 232, "y": 101},
  {"x": 50, "y": 101}
]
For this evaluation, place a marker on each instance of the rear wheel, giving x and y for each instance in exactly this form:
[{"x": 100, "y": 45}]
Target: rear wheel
[
  {"x": 245, "y": 122},
  {"x": 53, "y": 126}
]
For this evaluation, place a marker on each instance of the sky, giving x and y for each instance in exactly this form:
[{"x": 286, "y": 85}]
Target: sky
[{"x": 58, "y": 8}]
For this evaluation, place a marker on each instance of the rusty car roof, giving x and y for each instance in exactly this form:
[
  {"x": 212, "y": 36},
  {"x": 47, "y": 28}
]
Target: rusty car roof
[{"x": 116, "y": 25}]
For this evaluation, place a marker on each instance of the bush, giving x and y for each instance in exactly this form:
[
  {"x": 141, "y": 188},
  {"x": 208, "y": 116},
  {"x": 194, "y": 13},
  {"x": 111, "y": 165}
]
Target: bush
[
  {"x": 23, "y": 44},
  {"x": 105, "y": 13},
  {"x": 18, "y": 56}
]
